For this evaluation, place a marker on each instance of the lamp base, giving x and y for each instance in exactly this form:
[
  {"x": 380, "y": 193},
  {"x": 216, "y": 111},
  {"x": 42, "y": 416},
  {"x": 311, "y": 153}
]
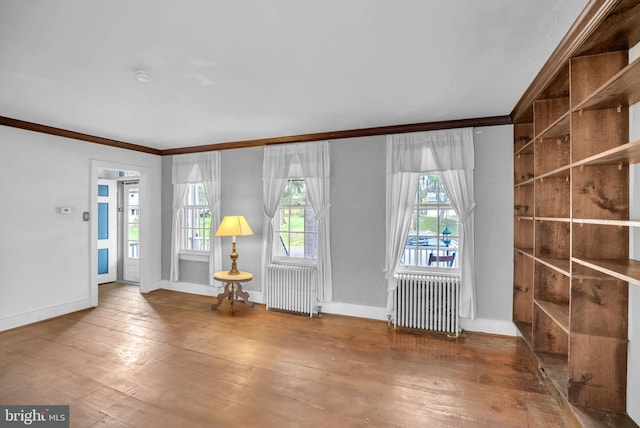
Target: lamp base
[{"x": 234, "y": 258}]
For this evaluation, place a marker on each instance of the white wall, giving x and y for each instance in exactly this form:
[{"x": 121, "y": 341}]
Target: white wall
[
  {"x": 357, "y": 226},
  {"x": 493, "y": 181},
  {"x": 45, "y": 256},
  {"x": 633, "y": 357}
]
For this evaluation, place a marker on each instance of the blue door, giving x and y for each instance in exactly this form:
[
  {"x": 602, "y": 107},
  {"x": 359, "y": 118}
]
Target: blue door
[{"x": 107, "y": 231}]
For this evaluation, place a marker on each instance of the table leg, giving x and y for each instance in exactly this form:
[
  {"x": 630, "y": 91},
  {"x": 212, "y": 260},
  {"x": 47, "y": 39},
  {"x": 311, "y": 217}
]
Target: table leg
[
  {"x": 221, "y": 296},
  {"x": 244, "y": 295},
  {"x": 232, "y": 290}
]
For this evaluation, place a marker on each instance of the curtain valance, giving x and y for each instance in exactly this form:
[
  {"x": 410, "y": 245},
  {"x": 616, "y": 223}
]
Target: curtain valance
[
  {"x": 309, "y": 160},
  {"x": 195, "y": 168},
  {"x": 444, "y": 150}
]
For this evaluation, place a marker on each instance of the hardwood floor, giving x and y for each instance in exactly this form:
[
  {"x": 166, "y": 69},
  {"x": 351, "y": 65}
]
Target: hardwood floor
[{"x": 165, "y": 359}]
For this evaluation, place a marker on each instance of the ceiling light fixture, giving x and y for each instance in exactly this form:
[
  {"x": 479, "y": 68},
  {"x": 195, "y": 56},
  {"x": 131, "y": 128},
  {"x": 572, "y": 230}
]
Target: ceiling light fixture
[{"x": 144, "y": 76}]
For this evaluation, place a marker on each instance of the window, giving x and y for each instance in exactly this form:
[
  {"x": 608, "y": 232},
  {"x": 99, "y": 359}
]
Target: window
[
  {"x": 432, "y": 239},
  {"x": 197, "y": 220},
  {"x": 296, "y": 229},
  {"x": 133, "y": 221}
]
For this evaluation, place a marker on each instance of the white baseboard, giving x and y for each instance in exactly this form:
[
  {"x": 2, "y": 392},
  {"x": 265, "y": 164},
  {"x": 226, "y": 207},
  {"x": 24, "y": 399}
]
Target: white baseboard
[
  {"x": 481, "y": 325},
  {"x": 484, "y": 325},
  {"x": 188, "y": 287},
  {"x": 17, "y": 320},
  {"x": 360, "y": 311}
]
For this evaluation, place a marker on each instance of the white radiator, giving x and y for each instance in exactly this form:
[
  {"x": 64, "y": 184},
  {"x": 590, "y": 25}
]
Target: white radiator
[
  {"x": 428, "y": 302},
  {"x": 292, "y": 288}
]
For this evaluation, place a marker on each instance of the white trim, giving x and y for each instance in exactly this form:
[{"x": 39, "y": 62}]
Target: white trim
[
  {"x": 145, "y": 222},
  {"x": 349, "y": 309},
  {"x": 194, "y": 256},
  {"x": 480, "y": 325},
  {"x": 24, "y": 318},
  {"x": 295, "y": 261},
  {"x": 191, "y": 288},
  {"x": 484, "y": 325}
]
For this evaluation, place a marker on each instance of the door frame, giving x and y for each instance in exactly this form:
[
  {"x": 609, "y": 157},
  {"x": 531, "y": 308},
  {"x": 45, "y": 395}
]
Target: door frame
[
  {"x": 124, "y": 236},
  {"x": 145, "y": 221}
]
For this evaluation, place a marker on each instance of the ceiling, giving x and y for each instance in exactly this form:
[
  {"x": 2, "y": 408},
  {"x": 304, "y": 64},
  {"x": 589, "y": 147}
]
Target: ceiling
[{"x": 226, "y": 71}]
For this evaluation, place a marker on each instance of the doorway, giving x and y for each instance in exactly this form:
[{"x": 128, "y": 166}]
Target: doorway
[
  {"x": 132, "y": 218},
  {"x": 131, "y": 231}
]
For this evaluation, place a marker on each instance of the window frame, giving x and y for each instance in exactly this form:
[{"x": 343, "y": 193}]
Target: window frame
[
  {"x": 293, "y": 260},
  {"x": 190, "y": 253},
  {"x": 438, "y": 206}
]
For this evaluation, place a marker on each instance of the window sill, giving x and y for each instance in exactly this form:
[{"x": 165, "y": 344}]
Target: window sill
[
  {"x": 194, "y": 256},
  {"x": 429, "y": 270},
  {"x": 295, "y": 261}
]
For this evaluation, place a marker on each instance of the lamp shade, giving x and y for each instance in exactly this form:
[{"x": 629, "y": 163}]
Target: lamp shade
[{"x": 234, "y": 225}]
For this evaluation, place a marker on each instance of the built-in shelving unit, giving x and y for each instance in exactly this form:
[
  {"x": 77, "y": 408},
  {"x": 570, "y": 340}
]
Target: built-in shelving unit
[{"x": 571, "y": 219}]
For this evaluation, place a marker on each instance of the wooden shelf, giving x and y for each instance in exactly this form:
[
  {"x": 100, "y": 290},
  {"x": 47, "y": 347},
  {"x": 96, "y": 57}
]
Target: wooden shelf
[
  {"x": 528, "y": 182},
  {"x": 526, "y": 330},
  {"x": 557, "y": 312},
  {"x": 561, "y": 265},
  {"x": 624, "y": 270},
  {"x": 623, "y": 89},
  {"x": 525, "y": 251},
  {"x": 564, "y": 171},
  {"x": 620, "y": 223},
  {"x": 526, "y": 149},
  {"x": 554, "y": 219},
  {"x": 556, "y": 368},
  {"x": 626, "y": 154},
  {"x": 558, "y": 129}
]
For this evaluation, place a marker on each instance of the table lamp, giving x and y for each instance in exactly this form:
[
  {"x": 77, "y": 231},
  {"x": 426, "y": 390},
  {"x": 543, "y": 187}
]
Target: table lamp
[{"x": 234, "y": 225}]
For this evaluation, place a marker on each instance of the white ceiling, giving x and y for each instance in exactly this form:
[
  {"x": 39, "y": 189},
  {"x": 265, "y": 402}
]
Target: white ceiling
[{"x": 238, "y": 70}]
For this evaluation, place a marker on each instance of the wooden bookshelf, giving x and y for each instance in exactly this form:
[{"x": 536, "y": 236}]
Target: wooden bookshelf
[{"x": 572, "y": 199}]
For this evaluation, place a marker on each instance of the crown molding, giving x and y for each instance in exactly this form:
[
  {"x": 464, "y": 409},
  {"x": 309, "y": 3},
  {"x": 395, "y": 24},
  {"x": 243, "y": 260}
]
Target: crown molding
[
  {"x": 351, "y": 133},
  {"x": 593, "y": 14},
  {"x": 59, "y": 132},
  {"x": 333, "y": 135}
]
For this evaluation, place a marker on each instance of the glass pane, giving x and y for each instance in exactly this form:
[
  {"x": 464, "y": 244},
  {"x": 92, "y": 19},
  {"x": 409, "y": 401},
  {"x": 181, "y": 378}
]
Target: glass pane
[
  {"x": 133, "y": 232},
  {"x": 201, "y": 196},
  {"x": 133, "y": 215},
  {"x": 421, "y": 195},
  {"x": 448, "y": 222},
  {"x": 283, "y": 220},
  {"x": 298, "y": 192},
  {"x": 310, "y": 224},
  {"x": 282, "y": 244},
  {"x": 413, "y": 224},
  {"x": 431, "y": 188},
  {"x": 296, "y": 220},
  {"x": 311, "y": 245},
  {"x": 133, "y": 196},
  {"x": 134, "y": 250},
  {"x": 285, "y": 199},
  {"x": 444, "y": 198},
  {"x": 428, "y": 222},
  {"x": 297, "y": 244}
]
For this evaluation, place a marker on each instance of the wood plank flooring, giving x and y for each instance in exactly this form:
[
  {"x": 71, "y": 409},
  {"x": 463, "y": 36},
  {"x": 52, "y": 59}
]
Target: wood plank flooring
[{"x": 165, "y": 359}]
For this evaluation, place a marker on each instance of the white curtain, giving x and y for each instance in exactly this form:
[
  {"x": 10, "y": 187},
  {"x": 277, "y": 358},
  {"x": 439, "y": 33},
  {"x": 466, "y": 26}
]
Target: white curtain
[
  {"x": 196, "y": 168},
  {"x": 451, "y": 153},
  {"x": 310, "y": 161},
  {"x": 179, "y": 194}
]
